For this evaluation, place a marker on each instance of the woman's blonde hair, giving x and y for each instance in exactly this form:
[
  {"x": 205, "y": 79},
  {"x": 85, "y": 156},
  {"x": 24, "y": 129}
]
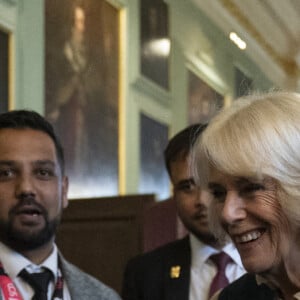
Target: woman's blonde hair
[{"x": 258, "y": 136}]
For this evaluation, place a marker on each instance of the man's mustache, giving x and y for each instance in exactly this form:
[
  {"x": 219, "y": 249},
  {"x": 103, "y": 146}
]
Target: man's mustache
[{"x": 27, "y": 200}]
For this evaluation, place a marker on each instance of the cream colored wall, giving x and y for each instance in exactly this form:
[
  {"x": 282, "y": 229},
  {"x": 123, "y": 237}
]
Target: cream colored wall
[
  {"x": 23, "y": 20},
  {"x": 30, "y": 55},
  {"x": 196, "y": 45}
]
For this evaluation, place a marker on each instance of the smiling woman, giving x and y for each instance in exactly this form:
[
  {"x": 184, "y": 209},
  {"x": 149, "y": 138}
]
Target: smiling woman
[{"x": 248, "y": 159}]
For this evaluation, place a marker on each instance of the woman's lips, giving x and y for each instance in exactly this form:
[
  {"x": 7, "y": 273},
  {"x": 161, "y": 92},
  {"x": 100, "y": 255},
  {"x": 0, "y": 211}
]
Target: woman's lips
[{"x": 248, "y": 236}]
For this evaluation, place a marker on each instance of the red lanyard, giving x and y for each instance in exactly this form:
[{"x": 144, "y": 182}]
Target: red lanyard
[{"x": 10, "y": 291}]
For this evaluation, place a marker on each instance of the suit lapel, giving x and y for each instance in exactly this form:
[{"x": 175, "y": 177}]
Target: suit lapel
[
  {"x": 73, "y": 286},
  {"x": 177, "y": 273}
]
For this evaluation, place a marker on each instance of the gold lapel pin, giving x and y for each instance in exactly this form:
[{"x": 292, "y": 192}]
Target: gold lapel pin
[{"x": 175, "y": 272}]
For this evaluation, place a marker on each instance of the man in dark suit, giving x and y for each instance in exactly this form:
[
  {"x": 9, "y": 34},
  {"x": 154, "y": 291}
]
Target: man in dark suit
[{"x": 183, "y": 269}]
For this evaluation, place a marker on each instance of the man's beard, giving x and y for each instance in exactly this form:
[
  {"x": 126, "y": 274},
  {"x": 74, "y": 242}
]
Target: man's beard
[{"x": 24, "y": 241}]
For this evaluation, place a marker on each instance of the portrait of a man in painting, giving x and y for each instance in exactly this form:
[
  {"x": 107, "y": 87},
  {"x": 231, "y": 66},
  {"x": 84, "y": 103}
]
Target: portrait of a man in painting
[
  {"x": 203, "y": 101},
  {"x": 82, "y": 90}
]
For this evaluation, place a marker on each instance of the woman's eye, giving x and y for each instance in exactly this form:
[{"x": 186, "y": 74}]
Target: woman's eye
[{"x": 218, "y": 193}]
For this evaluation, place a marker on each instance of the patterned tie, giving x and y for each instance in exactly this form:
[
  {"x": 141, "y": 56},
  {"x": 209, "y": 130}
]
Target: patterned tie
[
  {"x": 220, "y": 280},
  {"x": 39, "y": 282}
]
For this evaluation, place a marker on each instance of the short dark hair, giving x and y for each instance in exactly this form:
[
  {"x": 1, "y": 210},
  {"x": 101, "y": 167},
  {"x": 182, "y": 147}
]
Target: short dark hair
[
  {"x": 181, "y": 144},
  {"x": 22, "y": 119}
]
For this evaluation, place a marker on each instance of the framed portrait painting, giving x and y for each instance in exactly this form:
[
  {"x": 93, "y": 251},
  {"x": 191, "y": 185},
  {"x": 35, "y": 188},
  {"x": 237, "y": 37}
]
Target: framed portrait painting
[
  {"x": 4, "y": 71},
  {"x": 153, "y": 175},
  {"x": 203, "y": 101},
  {"x": 155, "y": 41},
  {"x": 82, "y": 90}
]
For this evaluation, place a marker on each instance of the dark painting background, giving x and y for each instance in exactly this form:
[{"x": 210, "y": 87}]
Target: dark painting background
[{"x": 153, "y": 175}]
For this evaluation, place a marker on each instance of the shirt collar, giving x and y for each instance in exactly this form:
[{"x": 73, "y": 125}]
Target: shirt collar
[
  {"x": 201, "y": 252},
  {"x": 13, "y": 262}
]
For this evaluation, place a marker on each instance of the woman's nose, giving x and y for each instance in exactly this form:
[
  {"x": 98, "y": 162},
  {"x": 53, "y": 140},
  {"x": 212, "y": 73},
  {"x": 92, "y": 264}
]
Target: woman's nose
[
  {"x": 234, "y": 208},
  {"x": 203, "y": 197}
]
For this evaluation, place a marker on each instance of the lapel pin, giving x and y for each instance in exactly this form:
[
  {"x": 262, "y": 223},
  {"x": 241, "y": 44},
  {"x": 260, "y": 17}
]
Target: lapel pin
[{"x": 175, "y": 272}]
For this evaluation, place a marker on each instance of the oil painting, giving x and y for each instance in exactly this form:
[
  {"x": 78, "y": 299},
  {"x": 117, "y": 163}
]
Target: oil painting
[
  {"x": 203, "y": 101},
  {"x": 153, "y": 175},
  {"x": 82, "y": 91}
]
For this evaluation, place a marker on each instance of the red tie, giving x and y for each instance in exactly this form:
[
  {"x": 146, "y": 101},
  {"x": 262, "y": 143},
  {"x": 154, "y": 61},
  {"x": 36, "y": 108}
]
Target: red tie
[{"x": 220, "y": 280}]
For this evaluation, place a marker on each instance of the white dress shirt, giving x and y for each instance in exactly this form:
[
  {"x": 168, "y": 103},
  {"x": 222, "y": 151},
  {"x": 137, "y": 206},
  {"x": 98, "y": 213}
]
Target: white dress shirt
[
  {"x": 203, "y": 269},
  {"x": 13, "y": 262}
]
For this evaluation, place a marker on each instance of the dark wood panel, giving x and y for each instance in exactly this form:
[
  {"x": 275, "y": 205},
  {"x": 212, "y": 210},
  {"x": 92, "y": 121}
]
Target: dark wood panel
[{"x": 100, "y": 235}]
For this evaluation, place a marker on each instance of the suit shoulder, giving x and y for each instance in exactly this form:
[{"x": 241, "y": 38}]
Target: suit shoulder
[
  {"x": 85, "y": 286},
  {"x": 146, "y": 275},
  {"x": 172, "y": 249}
]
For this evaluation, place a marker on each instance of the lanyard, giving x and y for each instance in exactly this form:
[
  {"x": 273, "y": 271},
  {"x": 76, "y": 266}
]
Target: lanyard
[{"x": 10, "y": 291}]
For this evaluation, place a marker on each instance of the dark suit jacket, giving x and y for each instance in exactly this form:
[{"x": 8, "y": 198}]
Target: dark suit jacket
[
  {"x": 149, "y": 276},
  {"x": 246, "y": 288}
]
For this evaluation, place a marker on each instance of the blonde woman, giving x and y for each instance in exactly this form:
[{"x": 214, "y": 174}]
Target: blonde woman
[{"x": 249, "y": 157}]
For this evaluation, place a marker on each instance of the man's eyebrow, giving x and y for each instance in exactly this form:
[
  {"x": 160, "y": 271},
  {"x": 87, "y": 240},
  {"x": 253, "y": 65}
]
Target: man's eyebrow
[
  {"x": 7, "y": 162},
  {"x": 40, "y": 161},
  {"x": 185, "y": 181},
  {"x": 45, "y": 162}
]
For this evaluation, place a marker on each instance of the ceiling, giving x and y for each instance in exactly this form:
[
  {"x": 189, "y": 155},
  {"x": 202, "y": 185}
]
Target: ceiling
[{"x": 271, "y": 29}]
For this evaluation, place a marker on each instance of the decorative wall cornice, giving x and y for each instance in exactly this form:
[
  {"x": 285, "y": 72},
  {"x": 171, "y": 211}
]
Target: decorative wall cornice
[
  {"x": 289, "y": 65},
  {"x": 11, "y": 2}
]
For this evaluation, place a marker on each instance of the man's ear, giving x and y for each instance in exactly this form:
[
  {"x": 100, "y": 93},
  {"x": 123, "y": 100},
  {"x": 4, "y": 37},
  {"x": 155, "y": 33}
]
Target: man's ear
[{"x": 65, "y": 188}]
